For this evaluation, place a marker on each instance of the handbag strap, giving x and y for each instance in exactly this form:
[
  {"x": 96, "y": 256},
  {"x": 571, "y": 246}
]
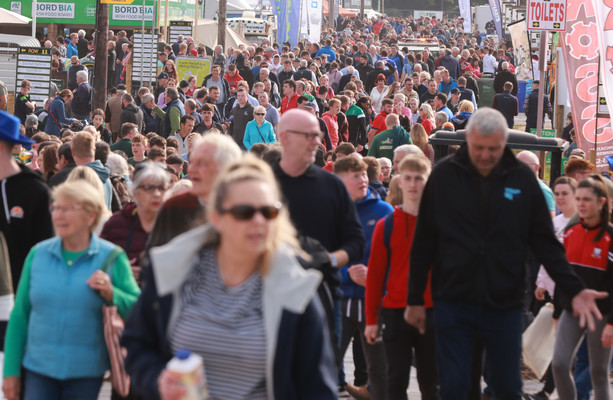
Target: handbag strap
[
  {"x": 110, "y": 259},
  {"x": 260, "y": 133}
]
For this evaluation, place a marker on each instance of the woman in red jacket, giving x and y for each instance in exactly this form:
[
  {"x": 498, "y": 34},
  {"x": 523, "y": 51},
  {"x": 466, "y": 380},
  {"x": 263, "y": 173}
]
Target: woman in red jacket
[
  {"x": 130, "y": 227},
  {"x": 589, "y": 249},
  {"x": 386, "y": 289}
]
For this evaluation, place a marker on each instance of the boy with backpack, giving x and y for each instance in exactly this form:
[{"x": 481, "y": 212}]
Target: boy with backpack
[{"x": 386, "y": 288}]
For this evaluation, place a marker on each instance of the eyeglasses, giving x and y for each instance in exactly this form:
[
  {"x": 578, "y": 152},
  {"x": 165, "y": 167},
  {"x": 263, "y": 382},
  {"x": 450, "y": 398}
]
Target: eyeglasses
[
  {"x": 307, "y": 135},
  {"x": 152, "y": 188},
  {"x": 260, "y": 114},
  {"x": 246, "y": 212},
  {"x": 64, "y": 209}
]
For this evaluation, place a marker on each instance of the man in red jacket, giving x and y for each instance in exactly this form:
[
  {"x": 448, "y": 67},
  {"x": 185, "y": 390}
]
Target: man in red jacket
[
  {"x": 386, "y": 288},
  {"x": 291, "y": 97}
]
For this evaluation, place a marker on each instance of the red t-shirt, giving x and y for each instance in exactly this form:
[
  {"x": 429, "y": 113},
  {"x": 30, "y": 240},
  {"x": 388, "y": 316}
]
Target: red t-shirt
[
  {"x": 394, "y": 293},
  {"x": 379, "y": 123},
  {"x": 233, "y": 81},
  {"x": 289, "y": 103}
]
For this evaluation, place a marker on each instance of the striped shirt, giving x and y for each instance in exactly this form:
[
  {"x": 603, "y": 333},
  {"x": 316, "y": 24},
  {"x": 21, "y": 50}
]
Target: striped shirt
[{"x": 226, "y": 327}]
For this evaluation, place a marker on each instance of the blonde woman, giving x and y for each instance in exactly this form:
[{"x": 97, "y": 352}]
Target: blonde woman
[
  {"x": 420, "y": 139},
  {"x": 465, "y": 111},
  {"x": 55, "y": 333},
  {"x": 427, "y": 117},
  {"x": 235, "y": 282}
]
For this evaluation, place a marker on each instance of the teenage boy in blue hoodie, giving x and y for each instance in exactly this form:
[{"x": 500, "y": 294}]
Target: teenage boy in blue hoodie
[{"x": 370, "y": 208}]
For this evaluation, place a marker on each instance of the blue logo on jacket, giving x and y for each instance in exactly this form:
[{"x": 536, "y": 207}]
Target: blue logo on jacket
[{"x": 510, "y": 193}]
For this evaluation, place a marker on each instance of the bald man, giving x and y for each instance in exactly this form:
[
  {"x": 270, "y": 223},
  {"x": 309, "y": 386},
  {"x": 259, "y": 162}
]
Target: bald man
[
  {"x": 532, "y": 161},
  {"x": 319, "y": 204}
]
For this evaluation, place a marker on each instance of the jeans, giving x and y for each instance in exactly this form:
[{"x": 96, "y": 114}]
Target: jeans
[
  {"x": 457, "y": 326},
  {"x": 568, "y": 339},
  {"x": 39, "y": 387},
  {"x": 399, "y": 340}
]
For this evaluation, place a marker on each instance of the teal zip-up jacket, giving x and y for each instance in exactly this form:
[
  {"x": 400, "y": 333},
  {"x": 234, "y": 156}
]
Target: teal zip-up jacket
[{"x": 56, "y": 326}]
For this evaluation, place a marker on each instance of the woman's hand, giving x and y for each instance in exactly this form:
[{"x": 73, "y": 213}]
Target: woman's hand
[
  {"x": 11, "y": 387},
  {"x": 101, "y": 282},
  {"x": 170, "y": 387},
  {"x": 607, "y": 336},
  {"x": 135, "y": 268}
]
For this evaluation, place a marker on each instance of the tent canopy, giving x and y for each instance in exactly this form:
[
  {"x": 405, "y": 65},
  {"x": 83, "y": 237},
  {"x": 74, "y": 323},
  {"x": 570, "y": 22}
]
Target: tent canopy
[
  {"x": 207, "y": 34},
  {"x": 9, "y": 17},
  {"x": 342, "y": 11}
]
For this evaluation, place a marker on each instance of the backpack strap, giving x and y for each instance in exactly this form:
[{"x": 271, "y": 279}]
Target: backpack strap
[{"x": 388, "y": 227}]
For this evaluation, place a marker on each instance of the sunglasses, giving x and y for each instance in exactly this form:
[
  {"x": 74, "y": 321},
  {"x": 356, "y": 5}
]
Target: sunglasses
[
  {"x": 260, "y": 114},
  {"x": 246, "y": 212}
]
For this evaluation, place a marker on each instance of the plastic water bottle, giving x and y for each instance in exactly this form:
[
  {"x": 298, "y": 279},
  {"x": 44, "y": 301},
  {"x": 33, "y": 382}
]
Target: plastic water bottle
[{"x": 190, "y": 369}]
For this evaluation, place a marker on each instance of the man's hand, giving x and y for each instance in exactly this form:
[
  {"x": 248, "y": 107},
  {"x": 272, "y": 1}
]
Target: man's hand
[
  {"x": 370, "y": 333},
  {"x": 539, "y": 294},
  {"x": 416, "y": 316},
  {"x": 11, "y": 387},
  {"x": 357, "y": 273},
  {"x": 584, "y": 306},
  {"x": 359, "y": 148},
  {"x": 170, "y": 387}
]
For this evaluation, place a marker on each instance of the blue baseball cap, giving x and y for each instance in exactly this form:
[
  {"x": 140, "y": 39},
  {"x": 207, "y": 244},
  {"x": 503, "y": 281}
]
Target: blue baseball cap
[{"x": 9, "y": 130}]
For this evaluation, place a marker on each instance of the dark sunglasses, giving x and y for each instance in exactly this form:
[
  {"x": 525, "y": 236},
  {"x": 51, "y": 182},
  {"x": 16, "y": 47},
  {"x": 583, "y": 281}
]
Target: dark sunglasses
[
  {"x": 260, "y": 114},
  {"x": 246, "y": 212}
]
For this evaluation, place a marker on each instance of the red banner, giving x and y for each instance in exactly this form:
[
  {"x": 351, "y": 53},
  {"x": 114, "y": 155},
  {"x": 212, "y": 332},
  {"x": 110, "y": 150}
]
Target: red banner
[{"x": 580, "y": 44}]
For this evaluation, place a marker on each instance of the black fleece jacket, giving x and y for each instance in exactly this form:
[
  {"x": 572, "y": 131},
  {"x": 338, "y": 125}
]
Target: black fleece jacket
[
  {"x": 24, "y": 218},
  {"x": 475, "y": 233}
]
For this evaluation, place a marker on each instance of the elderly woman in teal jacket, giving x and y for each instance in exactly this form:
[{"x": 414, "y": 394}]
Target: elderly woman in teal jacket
[
  {"x": 55, "y": 331},
  {"x": 258, "y": 130}
]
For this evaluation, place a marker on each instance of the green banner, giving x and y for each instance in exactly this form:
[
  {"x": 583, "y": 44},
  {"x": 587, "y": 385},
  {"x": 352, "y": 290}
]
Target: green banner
[{"x": 83, "y": 12}]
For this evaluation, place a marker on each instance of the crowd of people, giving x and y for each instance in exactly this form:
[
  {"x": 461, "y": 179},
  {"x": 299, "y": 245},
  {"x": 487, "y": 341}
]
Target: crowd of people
[{"x": 289, "y": 206}]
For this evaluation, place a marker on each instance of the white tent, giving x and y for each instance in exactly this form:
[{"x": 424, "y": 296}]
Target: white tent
[
  {"x": 233, "y": 8},
  {"x": 207, "y": 34},
  {"x": 12, "y": 18}
]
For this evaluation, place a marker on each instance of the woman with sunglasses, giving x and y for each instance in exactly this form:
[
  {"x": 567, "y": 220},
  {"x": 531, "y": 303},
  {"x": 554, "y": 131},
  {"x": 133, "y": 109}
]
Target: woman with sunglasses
[
  {"x": 589, "y": 249},
  {"x": 130, "y": 227},
  {"x": 233, "y": 292},
  {"x": 258, "y": 130}
]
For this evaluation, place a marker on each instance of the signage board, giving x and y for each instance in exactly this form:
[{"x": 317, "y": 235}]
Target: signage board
[
  {"x": 196, "y": 66},
  {"x": 144, "y": 65},
  {"x": 546, "y": 15},
  {"x": 117, "y": 1},
  {"x": 34, "y": 64},
  {"x": 176, "y": 28}
]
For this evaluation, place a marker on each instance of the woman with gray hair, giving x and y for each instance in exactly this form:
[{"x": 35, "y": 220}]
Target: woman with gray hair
[
  {"x": 258, "y": 130},
  {"x": 130, "y": 227}
]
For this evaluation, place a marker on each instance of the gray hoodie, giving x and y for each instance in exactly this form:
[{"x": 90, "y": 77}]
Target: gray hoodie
[{"x": 104, "y": 174}]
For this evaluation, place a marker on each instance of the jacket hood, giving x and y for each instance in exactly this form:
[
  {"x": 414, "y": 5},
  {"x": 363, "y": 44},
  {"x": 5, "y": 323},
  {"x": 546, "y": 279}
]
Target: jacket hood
[
  {"x": 291, "y": 285},
  {"x": 103, "y": 172},
  {"x": 131, "y": 108},
  {"x": 240, "y": 60},
  {"x": 371, "y": 197}
]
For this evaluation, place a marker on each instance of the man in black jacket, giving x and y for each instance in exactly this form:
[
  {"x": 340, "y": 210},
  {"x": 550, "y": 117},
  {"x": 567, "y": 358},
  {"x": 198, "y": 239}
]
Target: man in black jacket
[
  {"x": 81, "y": 102},
  {"x": 329, "y": 215},
  {"x": 481, "y": 212},
  {"x": 371, "y": 78},
  {"x": 531, "y": 107},
  {"x": 131, "y": 113},
  {"x": 507, "y": 104},
  {"x": 505, "y": 76}
]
